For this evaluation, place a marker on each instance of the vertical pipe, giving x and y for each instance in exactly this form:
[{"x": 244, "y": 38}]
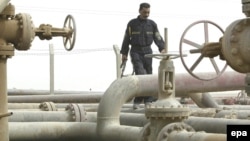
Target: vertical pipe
[
  {"x": 51, "y": 59},
  {"x": 118, "y": 61},
  {"x": 3, "y": 100},
  {"x": 166, "y": 39}
]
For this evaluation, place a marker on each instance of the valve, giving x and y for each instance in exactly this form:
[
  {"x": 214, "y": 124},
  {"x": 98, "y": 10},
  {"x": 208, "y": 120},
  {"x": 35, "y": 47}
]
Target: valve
[
  {"x": 166, "y": 73},
  {"x": 190, "y": 40},
  {"x": 68, "y": 32},
  {"x": 20, "y": 31},
  {"x": 166, "y": 109},
  {"x": 235, "y": 45}
]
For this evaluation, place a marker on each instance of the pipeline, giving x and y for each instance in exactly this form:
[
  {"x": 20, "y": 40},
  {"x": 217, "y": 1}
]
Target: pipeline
[
  {"x": 36, "y": 106},
  {"x": 41, "y": 116},
  {"x": 52, "y": 131},
  {"x": 131, "y": 119},
  {"x": 108, "y": 114},
  {"x": 213, "y": 125},
  {"x": 72, "y": 98},
  {"x": 228, "y": 81},
  {"x": 108, "y": 117},
  {"x": 19, "y": 92},
  {"x": 233, "y": 114},
  {"x": 185, "y": 84},
  {"x": 195, "y": 136},
  {"x": 204, "y": 100}
]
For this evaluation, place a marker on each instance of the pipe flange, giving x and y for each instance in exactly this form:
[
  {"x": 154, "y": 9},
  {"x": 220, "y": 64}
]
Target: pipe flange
[
  {"x": 179, "y": 126},
  {"x": 163, "y": 112},
  {"x": 26, "y": 32},
  {"x": 6, "y": 50},
  {"x": 9, "y": 11},
  {"x": 78, "y": 112},
  {"x": 48, "y": 106},
  {"x": 246, "y": 7},
  {"x": 235, "y": 45},
  {"x": 145, "y": 132}
]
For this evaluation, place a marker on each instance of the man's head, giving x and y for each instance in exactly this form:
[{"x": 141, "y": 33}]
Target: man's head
[{"x": 144, "y": 10}]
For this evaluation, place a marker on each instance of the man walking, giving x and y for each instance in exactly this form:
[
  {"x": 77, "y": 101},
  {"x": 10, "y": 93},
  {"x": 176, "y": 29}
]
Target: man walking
[{"x": 140, "y": 33}]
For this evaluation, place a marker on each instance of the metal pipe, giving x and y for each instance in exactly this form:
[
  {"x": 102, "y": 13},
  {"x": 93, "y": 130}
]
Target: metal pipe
[
  {"x": 228, "y": 81},
  {"x": 166, "y": 39},
  {"x": 52, "y": 131},
  {"x": 23, "y": 106},
  {"x": 203, "y": 100},
  {"x": 3, "y": 99},
  {"x": 233, "y": 114},
  {"x": 51, "y": 70},
  {"x": 184, "y": 84},
  {"x": 118, "y": 61},
  {"x": 43, "y": 92},
  {"x": 41, "y": 116},
  {"x": 130, "y": 119},
  {"x": 108, "y": 113},
  {"x": 195, "y": 136},
  {"x": 213, "y": 125},
  {"x": 36, "y": 106},
  {"x": 72, "y": 98}
]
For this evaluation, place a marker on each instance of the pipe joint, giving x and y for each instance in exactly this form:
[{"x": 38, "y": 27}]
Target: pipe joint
[
  {"x": 178, "y": 126},
  {"x": 78, "y": 112}
]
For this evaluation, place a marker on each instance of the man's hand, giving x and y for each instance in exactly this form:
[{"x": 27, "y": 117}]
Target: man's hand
[
  {"x": 124, "y": 58},
  {"x": 163, "y": 51}
]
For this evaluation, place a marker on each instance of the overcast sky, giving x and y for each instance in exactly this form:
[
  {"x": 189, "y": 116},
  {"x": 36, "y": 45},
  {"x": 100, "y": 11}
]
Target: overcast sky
[{"x": 101, "y": 24}]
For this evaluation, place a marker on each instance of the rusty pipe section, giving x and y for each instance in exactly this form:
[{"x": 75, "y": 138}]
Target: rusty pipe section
[{"x": 194, "y": 136}]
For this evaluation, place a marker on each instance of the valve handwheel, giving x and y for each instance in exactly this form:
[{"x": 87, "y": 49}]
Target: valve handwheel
[
  {"x": 163, "y": 56},
  {"x": 193, "y": 41},
  {"x": 69, "y": 39}
]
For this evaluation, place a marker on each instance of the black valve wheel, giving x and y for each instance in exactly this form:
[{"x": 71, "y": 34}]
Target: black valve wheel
[
  {"x": 69, "y": 39},
  {"x": 191, "y": 43}
]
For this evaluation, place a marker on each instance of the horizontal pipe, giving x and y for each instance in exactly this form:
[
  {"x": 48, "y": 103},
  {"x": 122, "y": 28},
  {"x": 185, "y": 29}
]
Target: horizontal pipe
[
  {"x": 58, "y": 105},
  {"x": 213, "y": 125},
  {"x": 228, "y": 81},
  {"x": 72, "y": 98},
  {"x": 19, "y": 92},
  {"x": 185, "y": 84},
  {"x": 237, "y": 114},
  {"x": 41, "y": 116},
  {"x": 52, "y": 131},
  {"x": 195, "y": 136},
  {"x": 23, "y": 106},
  {"x": 130, "y": 119}
]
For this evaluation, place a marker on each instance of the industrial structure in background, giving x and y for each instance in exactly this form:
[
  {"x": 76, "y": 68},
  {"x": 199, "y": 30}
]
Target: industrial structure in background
[{"x": 109, "y": 116}]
